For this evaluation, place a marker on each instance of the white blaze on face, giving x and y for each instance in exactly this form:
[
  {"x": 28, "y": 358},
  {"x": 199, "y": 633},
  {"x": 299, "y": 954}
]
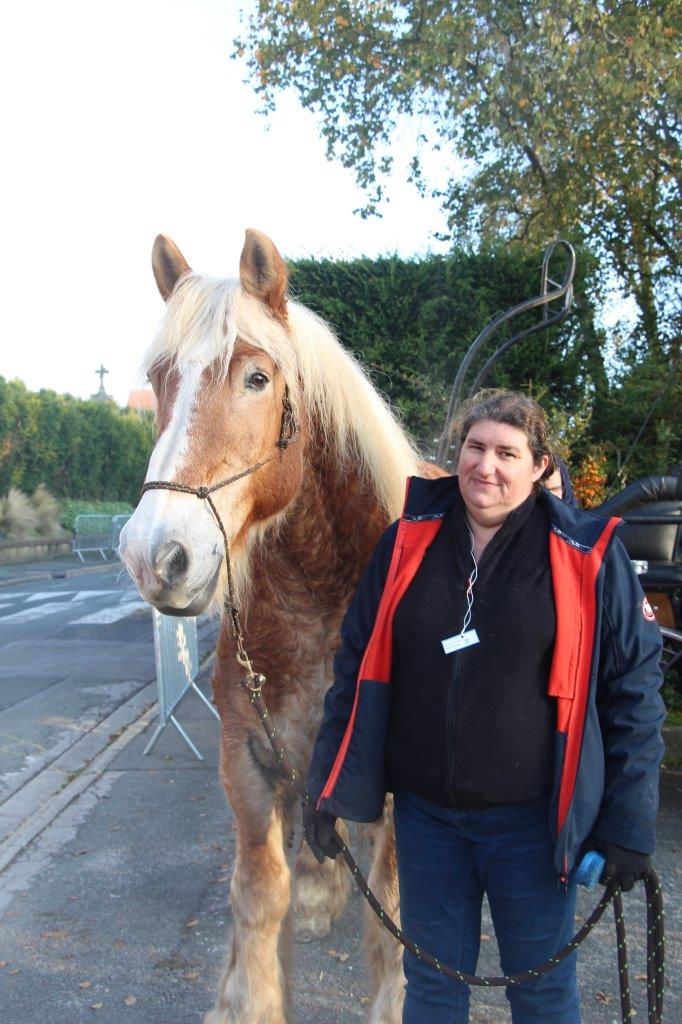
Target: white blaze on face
[
  {"x": 167, "y": 516},
  {"x": 171, "y": 448}
]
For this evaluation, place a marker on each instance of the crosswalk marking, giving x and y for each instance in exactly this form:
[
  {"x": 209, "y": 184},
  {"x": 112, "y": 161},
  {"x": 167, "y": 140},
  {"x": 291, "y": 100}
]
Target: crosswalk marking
[
  {"x": 108, "y": 615},
  {"x": 126, "y": 602},
  {"x": 35, "y": 612}
]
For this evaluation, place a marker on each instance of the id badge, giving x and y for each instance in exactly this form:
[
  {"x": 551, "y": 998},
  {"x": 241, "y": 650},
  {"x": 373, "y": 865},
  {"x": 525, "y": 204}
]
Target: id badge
[{"x": 459, "y": 642}]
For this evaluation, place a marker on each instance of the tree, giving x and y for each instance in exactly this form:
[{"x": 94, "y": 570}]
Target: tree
[{"x": 568, "y": 116}]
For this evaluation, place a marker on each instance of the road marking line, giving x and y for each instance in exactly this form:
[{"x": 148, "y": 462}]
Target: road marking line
[
  {"x": 36, "y": 612},
  {"x": 45, "y": 595},
  {"x": 109, "y": 615}
]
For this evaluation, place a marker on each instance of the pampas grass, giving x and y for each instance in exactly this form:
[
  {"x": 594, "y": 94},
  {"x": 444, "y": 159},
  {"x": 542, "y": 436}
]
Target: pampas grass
[
  {"x": 48, "y": 512},
  {"x": 18, "y": 518},
  {"x": 24, "y": 518}
]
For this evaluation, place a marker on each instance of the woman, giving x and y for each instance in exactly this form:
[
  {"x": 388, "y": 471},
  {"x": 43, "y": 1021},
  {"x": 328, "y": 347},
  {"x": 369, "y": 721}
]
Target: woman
[{"x": 498, "y": 671}]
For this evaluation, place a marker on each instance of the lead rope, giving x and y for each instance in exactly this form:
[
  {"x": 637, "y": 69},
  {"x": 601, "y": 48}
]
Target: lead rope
[{"x": 253, "y": 683}]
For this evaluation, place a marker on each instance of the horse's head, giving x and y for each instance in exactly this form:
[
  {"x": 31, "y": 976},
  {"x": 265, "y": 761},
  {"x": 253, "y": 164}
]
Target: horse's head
[{"x": 219, "y": 368}]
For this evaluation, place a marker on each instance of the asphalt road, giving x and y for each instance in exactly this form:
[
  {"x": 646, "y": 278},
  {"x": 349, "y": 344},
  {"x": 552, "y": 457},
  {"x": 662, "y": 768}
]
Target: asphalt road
[{"x": 113, "y": 898}]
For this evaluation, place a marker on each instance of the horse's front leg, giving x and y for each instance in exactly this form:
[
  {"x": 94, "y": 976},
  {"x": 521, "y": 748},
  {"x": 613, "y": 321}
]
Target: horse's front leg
[
  {"x": 253, "y": 988},
  {"x": 384, "y": 952}
]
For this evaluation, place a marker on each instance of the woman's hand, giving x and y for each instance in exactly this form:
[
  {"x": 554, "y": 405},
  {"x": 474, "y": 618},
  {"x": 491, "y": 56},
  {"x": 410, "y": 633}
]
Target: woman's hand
[
  {"x": 623, "y": 867},
  {"x": 320, "y": 834}
]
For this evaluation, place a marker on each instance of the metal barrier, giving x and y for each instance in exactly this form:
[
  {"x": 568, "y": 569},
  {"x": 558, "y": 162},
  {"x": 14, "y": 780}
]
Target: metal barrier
[
  {"x": 177, "y": 663},
  {"x": 91, "y": 533},
  {"x": 117, "y": 524}
]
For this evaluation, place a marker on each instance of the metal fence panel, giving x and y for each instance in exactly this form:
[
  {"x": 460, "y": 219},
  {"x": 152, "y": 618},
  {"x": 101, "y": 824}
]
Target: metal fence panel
[
  {"x": 176, "y": 653},
  {"x": 91, "y": 533},
  {"x": 117, "y": 524}
]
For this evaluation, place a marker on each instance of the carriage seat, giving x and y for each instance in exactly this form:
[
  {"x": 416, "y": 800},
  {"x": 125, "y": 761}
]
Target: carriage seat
[{"x": 659, "y": 545}]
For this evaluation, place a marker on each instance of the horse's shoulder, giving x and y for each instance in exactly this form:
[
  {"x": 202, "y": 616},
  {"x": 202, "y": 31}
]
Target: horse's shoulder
[{"x": 430, "y": 471}]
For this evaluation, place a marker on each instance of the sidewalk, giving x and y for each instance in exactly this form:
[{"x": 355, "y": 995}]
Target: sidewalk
[
  {"x": 122, "y": 901},
  {"x": 16, "y": 573}
]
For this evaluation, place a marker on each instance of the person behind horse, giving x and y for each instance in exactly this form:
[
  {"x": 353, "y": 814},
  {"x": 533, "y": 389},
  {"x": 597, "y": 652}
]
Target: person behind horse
[
  {"x": 559, "y": 482},
  {"x": 499, "y": 673}
]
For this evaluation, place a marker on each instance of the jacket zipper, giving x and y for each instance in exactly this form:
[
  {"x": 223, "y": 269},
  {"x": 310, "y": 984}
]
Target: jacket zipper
[{"x": 451, "y": 722}]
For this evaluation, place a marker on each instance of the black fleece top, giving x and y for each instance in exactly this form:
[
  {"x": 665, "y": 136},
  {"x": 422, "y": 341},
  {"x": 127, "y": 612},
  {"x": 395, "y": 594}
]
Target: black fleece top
[{"x": 475, "y": 728}]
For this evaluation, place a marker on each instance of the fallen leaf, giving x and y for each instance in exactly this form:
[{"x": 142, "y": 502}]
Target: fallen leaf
[
  {"x": 641, "y": 977},
  {"x": 603, "y": 998},
  {"x": 485, "y": 937},
  {"x": 364, "y": 1000},
  {"x": 85, "y": 984},
  {"x": 58, "y": 933},
  {"x": 193, "y": 923},
  {"x": 96, "y": 1006},
  {"x": 191, "y": 976},
  {"x": 119, "y": 944},
  {"x": 130, "y": 1000},
  {"x": 3, "y": 963},
  {"x": 15, "y": 970},
  {"x": 342, "y": 957}
]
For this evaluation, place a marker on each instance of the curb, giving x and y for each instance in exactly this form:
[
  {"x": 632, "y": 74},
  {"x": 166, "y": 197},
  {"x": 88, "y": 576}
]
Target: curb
[
  {"x": 17, "y": 842},
  {"x": 60, "y": 574},
  {"x": 37, "y": 822}
]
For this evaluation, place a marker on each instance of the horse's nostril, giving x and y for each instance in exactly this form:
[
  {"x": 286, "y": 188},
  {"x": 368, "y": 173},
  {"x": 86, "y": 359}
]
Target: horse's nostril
[
  {"x": 170, "y": 563},
  {"x": 178, "y": 560}
]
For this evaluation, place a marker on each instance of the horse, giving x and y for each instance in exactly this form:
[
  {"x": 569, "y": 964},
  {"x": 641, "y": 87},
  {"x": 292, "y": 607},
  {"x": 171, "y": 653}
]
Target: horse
[{"x": 233, "y": 362}]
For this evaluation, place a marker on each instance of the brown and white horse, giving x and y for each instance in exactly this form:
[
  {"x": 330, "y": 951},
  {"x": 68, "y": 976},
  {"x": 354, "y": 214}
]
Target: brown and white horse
[{"x": 227, "y": 357}]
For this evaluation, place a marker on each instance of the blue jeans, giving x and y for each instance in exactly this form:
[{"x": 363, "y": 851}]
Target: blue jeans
[{"x": 447, "y": 860}]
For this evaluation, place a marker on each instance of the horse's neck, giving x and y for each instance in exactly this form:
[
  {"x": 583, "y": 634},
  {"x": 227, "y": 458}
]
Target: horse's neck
[{"x": 314, "y": 559}]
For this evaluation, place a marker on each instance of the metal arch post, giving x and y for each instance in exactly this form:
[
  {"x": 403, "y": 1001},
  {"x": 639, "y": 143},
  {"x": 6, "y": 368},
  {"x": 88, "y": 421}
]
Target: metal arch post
[{"x": 560, "y": 290}]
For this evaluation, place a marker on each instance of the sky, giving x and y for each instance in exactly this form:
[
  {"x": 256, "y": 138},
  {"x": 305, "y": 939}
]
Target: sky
[{"x": 124, "y": 120}]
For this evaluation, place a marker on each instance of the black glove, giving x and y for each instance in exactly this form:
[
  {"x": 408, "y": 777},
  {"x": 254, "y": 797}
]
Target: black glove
[
  {"x": 624, "y": 867},
  {"x": 318, "y": 827}
]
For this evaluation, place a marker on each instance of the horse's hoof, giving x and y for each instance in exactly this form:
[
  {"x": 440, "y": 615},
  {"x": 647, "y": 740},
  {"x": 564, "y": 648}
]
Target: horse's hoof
[{"x": 227, "y": 1017}]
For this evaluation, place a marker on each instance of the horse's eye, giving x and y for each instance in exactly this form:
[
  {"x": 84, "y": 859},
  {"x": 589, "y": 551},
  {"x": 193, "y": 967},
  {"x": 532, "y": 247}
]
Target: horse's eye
[{"x": 257, "y": 381}]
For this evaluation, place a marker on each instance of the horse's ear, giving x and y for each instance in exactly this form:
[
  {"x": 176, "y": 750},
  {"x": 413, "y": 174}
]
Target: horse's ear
[
  {"x": 263, "y": 272},
  {"x": 168, "y": 265}
]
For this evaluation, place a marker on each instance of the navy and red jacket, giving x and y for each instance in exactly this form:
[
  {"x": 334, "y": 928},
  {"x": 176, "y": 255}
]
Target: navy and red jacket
[{"x": 605, "y": 676}]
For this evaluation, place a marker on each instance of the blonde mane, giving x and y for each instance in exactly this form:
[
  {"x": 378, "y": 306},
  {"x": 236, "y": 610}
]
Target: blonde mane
[{"x": 204, "y": 318}]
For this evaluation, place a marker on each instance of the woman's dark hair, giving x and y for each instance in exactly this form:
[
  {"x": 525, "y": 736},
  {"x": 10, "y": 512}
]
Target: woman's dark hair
[{"x": 515, "y": 409}]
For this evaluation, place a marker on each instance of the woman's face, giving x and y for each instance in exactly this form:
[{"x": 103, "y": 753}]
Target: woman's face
[{"x": 496, "y": 470}]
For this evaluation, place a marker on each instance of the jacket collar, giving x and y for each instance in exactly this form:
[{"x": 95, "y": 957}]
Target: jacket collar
[{"x": 431, "y": 499}]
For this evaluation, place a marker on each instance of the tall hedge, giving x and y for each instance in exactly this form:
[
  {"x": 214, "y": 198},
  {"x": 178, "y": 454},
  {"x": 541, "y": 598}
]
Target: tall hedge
[
  {"x": 76, "y": 448},
  {"x": 412, "y": 321}
]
